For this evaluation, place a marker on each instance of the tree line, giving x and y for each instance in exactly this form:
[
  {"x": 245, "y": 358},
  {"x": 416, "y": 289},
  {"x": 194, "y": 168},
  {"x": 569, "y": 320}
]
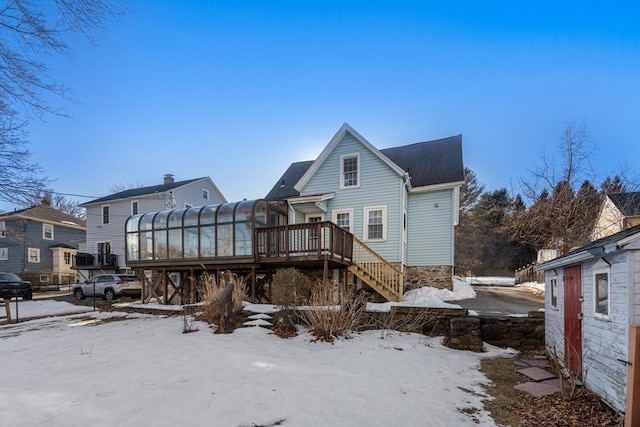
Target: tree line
[{"x": 557, "y": 207}]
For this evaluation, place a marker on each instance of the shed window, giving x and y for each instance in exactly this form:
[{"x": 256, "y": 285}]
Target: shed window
[
  {"x": 602, "y": 292},
  {"x": 554, "y": 292},
  {"x": 3, "y": 229}
]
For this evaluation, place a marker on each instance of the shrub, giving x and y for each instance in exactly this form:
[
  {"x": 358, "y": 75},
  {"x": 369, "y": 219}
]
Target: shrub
[
  {"x": 328, "y": 320},
  {"x": 291, "y": 288}
]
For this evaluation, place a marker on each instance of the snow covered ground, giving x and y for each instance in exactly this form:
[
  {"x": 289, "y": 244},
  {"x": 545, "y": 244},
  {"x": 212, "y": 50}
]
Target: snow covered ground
[{"x": 116, "y": 369}]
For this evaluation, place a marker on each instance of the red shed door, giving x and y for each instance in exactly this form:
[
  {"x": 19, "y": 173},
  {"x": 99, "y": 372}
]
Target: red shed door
[{"x": 573, "y": 319}]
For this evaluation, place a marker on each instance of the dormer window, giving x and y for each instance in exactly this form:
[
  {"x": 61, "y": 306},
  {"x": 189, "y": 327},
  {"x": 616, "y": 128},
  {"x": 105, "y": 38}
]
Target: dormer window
[{"x": 350, "y": 171}]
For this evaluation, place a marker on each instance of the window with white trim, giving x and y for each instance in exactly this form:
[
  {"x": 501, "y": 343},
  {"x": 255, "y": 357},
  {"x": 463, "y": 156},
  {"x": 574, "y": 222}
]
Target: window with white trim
[
  {"x": 67, "y": 258},
  {"x": 350, "y": 170},
  {"x": 343, "y": 218},
  {"x": 205, "y": 194},
  {"x": 105, "y": 214},
  {"x": 4, "y": 254},
  {"x": 34, "y": 255},
  {"x": 554, "y": 292},
  {"x": 602, "y": 292},
  {"x": 375, "y": 223},
  {"x": 134, "y": 207},
  {"x": 3, "y": 229},
  {"x": 47, "y": 231}
]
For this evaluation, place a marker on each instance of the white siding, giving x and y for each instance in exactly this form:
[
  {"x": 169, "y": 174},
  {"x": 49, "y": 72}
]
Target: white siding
[
  {"x": 605, "y": 342},
  {"x": 554, "y": 317},
  {"x": 120, "y": 210},
  {"x": 430, "y": 228},
  {"x": 379, "y": 185},
  {"x": 634, "y": 290}
]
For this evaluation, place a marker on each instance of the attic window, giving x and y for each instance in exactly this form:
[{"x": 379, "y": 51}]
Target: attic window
[
  {"x": 350, "y": 171},
  {"x": 205, "y": 194}
]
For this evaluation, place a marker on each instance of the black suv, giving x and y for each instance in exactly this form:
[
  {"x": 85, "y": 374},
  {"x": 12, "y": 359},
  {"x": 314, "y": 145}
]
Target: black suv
[{"x": 13, "y": 286}]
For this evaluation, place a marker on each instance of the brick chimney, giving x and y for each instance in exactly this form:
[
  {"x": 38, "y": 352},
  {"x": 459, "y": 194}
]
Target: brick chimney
[
  {"x": 46, "y": 201},
  {"x": 168, "y": 178}
]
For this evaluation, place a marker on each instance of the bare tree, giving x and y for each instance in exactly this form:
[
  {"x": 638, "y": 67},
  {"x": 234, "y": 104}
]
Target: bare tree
[
  {"x": 123, "y": 186},
  {"x": 56, "y": 201},
  {"x": 30, "y": 31},
  {"x": 19, "y": 177},
  {"x": 563, "y": 203}
]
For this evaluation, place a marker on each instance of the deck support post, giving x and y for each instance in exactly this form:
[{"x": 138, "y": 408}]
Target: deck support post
[
  {"x": 325, "y": 271},
  {"x": 253, "y": 284},
  {"x": 165, "y": 288}
]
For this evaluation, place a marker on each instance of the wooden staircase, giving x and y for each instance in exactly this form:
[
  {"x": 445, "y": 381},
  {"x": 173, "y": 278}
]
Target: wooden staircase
[{"x": 376, "y": 271}]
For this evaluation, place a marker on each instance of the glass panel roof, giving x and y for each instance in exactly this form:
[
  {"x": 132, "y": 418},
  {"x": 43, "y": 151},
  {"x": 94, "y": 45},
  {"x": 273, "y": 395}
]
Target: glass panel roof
[
  {"x": 191, "y": 216},
  {"x": 175, "y": 218},
  {"x": 132, "y": 222}
]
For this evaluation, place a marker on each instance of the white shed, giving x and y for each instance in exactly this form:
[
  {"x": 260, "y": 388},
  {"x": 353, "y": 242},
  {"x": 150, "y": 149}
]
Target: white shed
[{"x": 592, "y": 316}]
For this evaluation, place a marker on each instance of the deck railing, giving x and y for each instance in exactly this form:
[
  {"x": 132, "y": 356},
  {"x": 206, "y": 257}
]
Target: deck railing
[
  {"x": 84, "y": 260},
  {"x": 318, "y": 239},
  {"x": 376, "y": 271}
]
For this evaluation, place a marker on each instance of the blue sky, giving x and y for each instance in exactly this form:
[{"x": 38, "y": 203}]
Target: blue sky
[{"x": 239, "y": 90}]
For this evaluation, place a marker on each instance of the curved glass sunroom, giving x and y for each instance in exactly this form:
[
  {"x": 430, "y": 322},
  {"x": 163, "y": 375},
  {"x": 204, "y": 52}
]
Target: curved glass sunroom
[{"x": 213, "y": 231}]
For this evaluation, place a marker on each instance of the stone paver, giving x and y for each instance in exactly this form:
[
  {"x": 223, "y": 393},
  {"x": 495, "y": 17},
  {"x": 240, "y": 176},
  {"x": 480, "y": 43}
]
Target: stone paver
[
  {"x": 554, "y": 381},
  {"x": 536, "y": 374},
  {"x": 537, "y": 389},
  {"x": 540, "y": 363}
]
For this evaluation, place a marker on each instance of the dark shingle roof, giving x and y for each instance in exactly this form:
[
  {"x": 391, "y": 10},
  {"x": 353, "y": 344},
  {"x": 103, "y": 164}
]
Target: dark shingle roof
[
  {"x": 428, "y": 163},
  {"x": 46, "y": 214},
  {"x": 142, "y": 191},
  {"x": 284, "y": 186},
  {"x": 628, "y": 203}
]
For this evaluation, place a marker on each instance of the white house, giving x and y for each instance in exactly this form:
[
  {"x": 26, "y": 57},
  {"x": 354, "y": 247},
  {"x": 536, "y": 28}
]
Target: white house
[
  {"x": 618, "y": 211},
  {"x": 106, "y": 217},
  {"x": 402, "y": 202},
  {"x": 592, "y": 317}
]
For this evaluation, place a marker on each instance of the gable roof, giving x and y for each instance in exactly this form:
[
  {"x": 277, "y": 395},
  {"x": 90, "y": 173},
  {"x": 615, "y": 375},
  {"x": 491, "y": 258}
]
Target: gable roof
[
  {"x": 430, "y": 162},
  {"x": 284, "y": 187},
  {"x": 43, "y": 213},
  {"x": 590, "y": 249},
  {"x": 142, "y": 191},
  {"x": 427, "y": 163},
  {"x": 337, "y": 138},
  {"x": 627, "y": 203}
]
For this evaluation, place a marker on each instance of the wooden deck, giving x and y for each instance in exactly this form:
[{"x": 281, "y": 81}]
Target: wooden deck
[{"x": 311, "y": 245}]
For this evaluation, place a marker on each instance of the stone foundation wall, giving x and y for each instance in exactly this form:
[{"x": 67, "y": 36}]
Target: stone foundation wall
[{"x": 437, "y": 276}]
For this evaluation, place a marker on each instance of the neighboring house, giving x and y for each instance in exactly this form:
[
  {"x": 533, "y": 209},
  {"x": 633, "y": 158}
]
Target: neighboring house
[
  {"x": 106, "y": 217},
  {"x": 401, "y": 202},
  {"x": 592, "y": 316},
  {"x": 39, "y": 243},
  {"x": 618, "y": 212}
]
